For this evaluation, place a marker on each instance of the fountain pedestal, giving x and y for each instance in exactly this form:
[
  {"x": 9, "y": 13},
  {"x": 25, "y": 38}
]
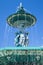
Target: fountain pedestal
[{"x": 21, "y": 56}]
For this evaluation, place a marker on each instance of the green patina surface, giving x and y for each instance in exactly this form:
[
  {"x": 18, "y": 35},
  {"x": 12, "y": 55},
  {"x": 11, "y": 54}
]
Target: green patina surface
[
  {"x": 21, "y": 18},
  {"x": 26, "y": 55}
]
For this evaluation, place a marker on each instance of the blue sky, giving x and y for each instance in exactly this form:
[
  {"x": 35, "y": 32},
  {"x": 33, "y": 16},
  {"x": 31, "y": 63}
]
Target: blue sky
[{"x": 7, "y": 33}]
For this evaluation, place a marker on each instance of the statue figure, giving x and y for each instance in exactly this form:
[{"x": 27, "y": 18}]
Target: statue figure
[{"x": 21, "y": 40}]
